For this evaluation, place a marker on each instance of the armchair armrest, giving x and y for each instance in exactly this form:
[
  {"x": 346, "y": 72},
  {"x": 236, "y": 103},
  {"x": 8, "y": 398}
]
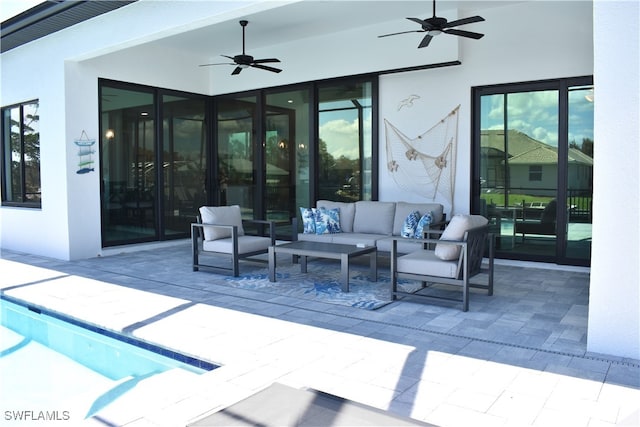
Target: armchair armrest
[
  {"x": 440, "y": 225},
  {"x": 272, "y": 226}
]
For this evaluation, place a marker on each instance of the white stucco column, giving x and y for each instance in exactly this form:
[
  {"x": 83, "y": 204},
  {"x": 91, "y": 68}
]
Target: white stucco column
[{"x": 614, "y": 305}]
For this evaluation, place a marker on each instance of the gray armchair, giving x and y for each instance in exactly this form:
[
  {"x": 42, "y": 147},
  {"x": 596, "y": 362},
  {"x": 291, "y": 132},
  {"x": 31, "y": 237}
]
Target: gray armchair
[
  {"x": 220, "y": 232},
  {"x": 456, "y": 258}
]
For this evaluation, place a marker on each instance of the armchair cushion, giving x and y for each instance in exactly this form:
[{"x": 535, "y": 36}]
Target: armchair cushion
[
  {"x": 428, "y": 264},
  {"x": 246, "y": 244},
  {"x": 455, "y": 231},
  {"x": 221, "y": 215}
]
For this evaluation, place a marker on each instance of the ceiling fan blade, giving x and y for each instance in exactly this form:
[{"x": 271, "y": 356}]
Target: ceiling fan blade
[
  {"x": 425, "y": 41},
  {"x": 464, "y": 21},
  {"x": 265, "y": 67},
  {"x": 262, "y": 61},
  {"x": 463, "y": 33},
  {"x": 218, "y": 63},
  {"x": 236, "y": 71},
  {"x": 402, "y": 32},
  {"x": 227, "y": 56},
  {"x": 418, "y": 21}
]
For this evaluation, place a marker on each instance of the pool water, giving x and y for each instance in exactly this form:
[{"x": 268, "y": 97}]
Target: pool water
[{"x": 50, "y": 364}]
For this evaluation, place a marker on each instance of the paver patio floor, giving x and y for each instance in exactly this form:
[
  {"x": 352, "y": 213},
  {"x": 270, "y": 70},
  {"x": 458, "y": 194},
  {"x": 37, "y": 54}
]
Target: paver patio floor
[{"x": 523, "y": 362}]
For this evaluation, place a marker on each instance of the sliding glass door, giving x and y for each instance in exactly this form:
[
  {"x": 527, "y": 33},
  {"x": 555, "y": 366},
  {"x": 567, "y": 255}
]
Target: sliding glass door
[
  {"x": 287, "y": 114},
  {"x": 153, "y": 163},
  {"x": 236, "y": 178},
  {"x": 345, "y": 139},
  {"x": 128, "y": 165},
  {"x": 184, "y": 139},
  {"x": 579, "y": 173},
  {"x": 262, "y": 152},
  {"x": 533, "y": 169},
  {"x": 165, "y": 153}
]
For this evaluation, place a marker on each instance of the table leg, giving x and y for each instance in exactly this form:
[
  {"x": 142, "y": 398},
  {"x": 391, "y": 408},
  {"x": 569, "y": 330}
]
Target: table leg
[
  {"x": 272, "y": 264},
  {"x": 373, "y": 266},
  {"x": 303, "y": 264},
  {"x": 344, "y": 272}
]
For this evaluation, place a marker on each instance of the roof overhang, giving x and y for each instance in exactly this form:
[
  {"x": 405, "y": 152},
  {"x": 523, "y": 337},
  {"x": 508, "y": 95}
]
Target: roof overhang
[{"x": 49, "y": 17}]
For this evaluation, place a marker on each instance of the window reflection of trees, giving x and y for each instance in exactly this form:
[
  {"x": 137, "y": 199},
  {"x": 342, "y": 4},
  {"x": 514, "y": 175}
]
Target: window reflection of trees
[{"x": 23, "y": 148}]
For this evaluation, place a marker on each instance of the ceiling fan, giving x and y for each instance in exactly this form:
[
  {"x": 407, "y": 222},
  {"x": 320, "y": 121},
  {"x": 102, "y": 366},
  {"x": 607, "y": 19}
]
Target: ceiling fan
[
  {"x": 245, "y": 61},
  {"x": 435, "y": 25}
]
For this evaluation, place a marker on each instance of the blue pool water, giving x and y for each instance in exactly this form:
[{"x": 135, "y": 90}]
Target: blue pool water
[{"x": 48, "y": 361}]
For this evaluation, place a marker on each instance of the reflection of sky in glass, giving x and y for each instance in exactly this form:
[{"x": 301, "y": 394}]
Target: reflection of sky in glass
[
  {"x": 536, "y": 114},
  {"x": 339, "y": 129},
  {"x": 338, "y": 121},
  {"x": 580, "y": 115}
]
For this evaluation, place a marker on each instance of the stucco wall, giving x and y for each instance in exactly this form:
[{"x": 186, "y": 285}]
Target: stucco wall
[{"x": 614, "y": 294}]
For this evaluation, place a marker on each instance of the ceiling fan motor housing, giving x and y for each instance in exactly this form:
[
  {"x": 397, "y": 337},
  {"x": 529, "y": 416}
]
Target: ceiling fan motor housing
[
  {"x": 243, "y": 59},
  {"x": 434, "y": 23}
]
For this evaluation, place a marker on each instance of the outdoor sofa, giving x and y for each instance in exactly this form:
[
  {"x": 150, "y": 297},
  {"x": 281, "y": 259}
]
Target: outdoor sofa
[{"x": 370, "y": 223}]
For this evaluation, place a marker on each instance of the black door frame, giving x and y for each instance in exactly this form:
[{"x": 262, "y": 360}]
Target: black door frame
[{"x": 562, "y": 86}]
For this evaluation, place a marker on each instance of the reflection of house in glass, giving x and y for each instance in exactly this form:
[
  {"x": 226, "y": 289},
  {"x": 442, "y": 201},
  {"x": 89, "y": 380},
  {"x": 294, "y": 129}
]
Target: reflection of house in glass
[{"x": 532, "y": 165}]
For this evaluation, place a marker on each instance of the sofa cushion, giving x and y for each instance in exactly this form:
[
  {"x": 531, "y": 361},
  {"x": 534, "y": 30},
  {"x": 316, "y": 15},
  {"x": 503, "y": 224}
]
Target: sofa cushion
[
  {"x": 374, "y": 217},
  {"x": 355, "y": 238},
  {"x": 455, "y": 231},
  {"x": 405, "y": 208},
  {"x": 347, "y": 212},
  {"x": 403, "y": 246},
  {"x": 425, "y": 221},
  {"x": 327, "y": 221},
  {"x": 410, "y": 224},
  {"x": 221, "y": 215},
  {"x": 308, "y": 220},
  {"x": 325, "y": 238}
]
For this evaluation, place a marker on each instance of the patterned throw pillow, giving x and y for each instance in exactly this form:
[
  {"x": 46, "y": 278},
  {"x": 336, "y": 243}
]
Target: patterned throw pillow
[
  {"x": 424, "y": 222},
  {"x": 308, "y": 220},
  {"x": 327, "y": 221},
  {"x": 410, "y": 224}
]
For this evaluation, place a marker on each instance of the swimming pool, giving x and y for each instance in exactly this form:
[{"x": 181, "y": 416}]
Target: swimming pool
[{"x": 50, "y": 363}]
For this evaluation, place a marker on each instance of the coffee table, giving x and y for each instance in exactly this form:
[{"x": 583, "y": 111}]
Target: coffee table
[{"x": 344, "y": 253}]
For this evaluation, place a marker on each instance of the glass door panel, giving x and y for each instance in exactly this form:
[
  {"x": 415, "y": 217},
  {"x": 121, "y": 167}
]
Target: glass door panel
[
  {"x": 519, "y": 170},
  {"x": 286, "y": 153},
  {"x": 535, "y": 168},
  {"x": 532, "y": 147},
  {"x": 184, "y": 165},
  {"x": 344, "y": 152},
  {"x": 128, "y": 157},
  {"x": 580, "y": 173},
  {"x": 237, "y": 174}
]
